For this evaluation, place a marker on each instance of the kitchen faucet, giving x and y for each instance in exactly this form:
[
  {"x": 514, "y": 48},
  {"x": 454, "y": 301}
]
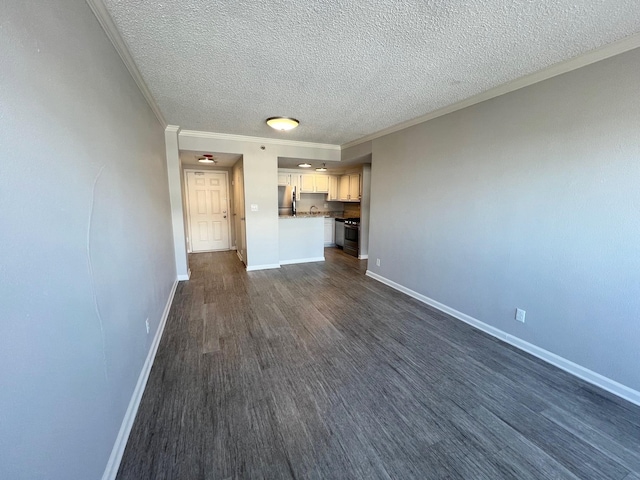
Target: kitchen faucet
[{"x": 311, "y": 209}]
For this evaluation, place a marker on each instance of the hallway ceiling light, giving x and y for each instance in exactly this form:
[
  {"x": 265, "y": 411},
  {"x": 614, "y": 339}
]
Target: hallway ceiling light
[
  {"x": 206, "y": 158},
  {"x": 304, "y": 165},
  {"x": 323, "y": 169},
  {"x": 282, "y": 123}
]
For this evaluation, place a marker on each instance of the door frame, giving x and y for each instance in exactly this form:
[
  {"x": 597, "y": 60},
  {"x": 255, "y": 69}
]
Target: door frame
[
  {"x": 188, "y": 212},
  {"x": 239, "y": 210}
]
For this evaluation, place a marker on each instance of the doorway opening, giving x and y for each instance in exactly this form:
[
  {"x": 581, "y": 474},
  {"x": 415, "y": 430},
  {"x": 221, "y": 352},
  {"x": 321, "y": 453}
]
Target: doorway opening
[
  {"x": 208, "y": 226},
  {"x": 213, "y": 202}
]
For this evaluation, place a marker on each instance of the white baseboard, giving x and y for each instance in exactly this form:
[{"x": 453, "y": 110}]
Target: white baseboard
[
  {"x": 579, "y": 371},
  {"x": 262, "y": 267},
  {"x": 363, "y": 257},
  {"x": 185, "y": 277},
  {"x": 302, "y": 260},
  {"x": 125, "y": 428}
]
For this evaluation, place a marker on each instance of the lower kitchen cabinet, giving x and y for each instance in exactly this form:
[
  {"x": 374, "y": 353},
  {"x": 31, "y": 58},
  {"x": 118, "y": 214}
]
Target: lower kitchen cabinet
[{"x": 329, "y": 232}]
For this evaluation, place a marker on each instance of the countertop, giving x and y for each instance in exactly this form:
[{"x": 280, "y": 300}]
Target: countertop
[{"x": 314, "y": 215}]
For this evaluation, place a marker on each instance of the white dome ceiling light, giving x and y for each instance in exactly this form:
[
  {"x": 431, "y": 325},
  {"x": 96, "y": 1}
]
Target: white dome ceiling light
[
  {"x": 206, "y": 158},
  {"x": 282, "y": 123}
]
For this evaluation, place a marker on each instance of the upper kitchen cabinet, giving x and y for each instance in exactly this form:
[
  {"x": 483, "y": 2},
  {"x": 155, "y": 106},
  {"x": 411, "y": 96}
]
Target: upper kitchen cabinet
[
  {"x": 307, "y": 183},
  {"x": 340, "y": 186},
  {"x": 311, "y": 183},
  {"x": 289, "y": 180},
  {"x": 284, "y": 179},
  {"x": 322, "y": 183},
  {"x": 334, "y": 192},
  {"x": 350, "y": 188}
]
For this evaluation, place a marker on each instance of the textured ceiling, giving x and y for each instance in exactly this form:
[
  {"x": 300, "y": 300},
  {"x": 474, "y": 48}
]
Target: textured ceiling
[{"x": 348, "y": 69}]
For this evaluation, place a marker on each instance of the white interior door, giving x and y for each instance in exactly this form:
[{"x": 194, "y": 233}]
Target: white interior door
[{"x": 208, "y": 211}]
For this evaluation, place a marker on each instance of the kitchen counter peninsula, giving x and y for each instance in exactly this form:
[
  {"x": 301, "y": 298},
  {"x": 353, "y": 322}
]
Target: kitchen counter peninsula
[{"x": 301, "y": 238}]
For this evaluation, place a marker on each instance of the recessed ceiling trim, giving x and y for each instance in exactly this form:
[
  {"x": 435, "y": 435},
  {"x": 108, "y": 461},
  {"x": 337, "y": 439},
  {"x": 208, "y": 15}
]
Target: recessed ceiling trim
[
  {"x": 105, "y": 20},
  {"x": 602, "y": 53},
  {"x": 268, "y": 141}
]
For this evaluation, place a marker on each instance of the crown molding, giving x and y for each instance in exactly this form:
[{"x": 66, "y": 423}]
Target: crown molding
[
  {"x": 105, "y": 20},
  {"x": 602, "y": 53},
  {"x": 172, "y": 128},
  {"x": 267, "y": 141}
]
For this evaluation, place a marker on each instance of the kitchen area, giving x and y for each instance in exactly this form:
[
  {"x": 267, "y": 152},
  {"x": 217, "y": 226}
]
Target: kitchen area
[{"x": 323, "y": 207}]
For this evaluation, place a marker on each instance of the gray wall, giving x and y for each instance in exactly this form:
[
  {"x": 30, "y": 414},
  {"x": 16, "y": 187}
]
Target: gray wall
[
  {"x": 529, "y": 200},
  {"x": 86, "y": 240},
  {"x": 360, "y": 153}
]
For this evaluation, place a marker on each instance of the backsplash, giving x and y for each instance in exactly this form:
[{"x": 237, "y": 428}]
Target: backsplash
[
  {"x": 352, "y": 210},
  {"x": 319, "y": 200}
]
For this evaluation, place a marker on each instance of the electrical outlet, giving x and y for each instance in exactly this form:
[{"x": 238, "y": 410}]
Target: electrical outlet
[
  {"x": 520, "y": 315},
  {"x": 254, "y": 207},
  {"x": 326, "y": 205},
  {"x": 377, "y": 262},
  {"x": 146, "y": 322}
]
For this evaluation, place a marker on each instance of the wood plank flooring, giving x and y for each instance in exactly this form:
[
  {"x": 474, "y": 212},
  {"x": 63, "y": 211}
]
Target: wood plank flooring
[{"x": 315, "y": 371}]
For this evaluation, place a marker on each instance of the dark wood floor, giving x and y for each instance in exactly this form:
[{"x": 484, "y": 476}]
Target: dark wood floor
[{"x": 316, "y": 371}]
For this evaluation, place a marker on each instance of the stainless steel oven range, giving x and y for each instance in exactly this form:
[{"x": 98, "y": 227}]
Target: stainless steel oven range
[{"x": 352, "y": 236}]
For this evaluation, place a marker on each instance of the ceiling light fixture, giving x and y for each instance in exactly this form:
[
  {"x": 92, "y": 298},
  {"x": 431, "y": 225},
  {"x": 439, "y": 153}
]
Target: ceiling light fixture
[
  {"x": 323, "y": 169},
  {"x": 282, "y": 123},
  {"x": 206, "y": 158},
  {"x": 304, "y": 165}
]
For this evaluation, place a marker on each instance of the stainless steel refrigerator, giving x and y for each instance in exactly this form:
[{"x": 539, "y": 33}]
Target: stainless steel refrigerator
[{"x": 286, "y": 200}]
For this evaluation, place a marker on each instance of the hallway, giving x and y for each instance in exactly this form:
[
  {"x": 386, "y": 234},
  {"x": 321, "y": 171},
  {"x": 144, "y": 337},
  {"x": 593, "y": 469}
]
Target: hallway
[{"x": 316, "y": 371}]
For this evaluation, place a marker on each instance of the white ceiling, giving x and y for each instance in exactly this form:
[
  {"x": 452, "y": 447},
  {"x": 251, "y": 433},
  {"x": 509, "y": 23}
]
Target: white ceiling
[
  {"x": 227, "y": 160},
  {"x": 348, "y": 69},
  {"x": 285, "y": 162},
  {"x": 222, "y": 159}
]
